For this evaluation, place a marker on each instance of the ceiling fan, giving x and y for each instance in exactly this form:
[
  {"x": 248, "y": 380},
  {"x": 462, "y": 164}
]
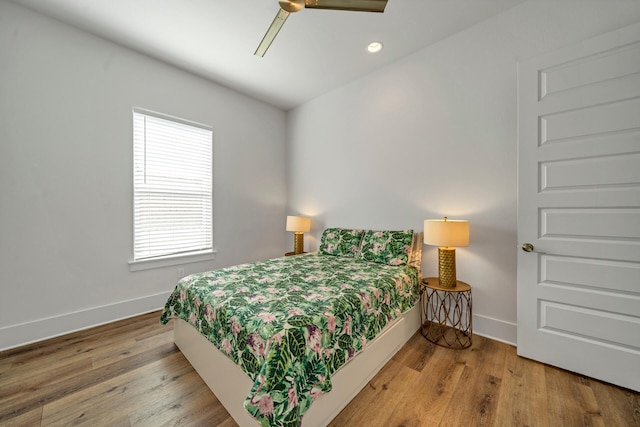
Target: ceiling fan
[{"x": 288, "y": 7}]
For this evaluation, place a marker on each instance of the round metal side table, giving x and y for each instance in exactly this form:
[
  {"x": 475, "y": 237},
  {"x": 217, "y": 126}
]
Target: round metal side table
[{"x": 446, "y": 313}]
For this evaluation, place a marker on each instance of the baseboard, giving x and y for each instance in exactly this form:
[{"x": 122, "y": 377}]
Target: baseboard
[
  {"x": 42, "y": 329},
  {"x": 495, "y": 329}
]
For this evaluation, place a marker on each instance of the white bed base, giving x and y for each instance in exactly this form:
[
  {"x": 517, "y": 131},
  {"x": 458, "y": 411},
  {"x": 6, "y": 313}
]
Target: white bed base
[{"x": 231, "y": 385}]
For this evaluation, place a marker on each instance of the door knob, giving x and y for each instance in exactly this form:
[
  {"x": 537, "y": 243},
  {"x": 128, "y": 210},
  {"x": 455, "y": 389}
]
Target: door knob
[{"x": 527, "y": 247}]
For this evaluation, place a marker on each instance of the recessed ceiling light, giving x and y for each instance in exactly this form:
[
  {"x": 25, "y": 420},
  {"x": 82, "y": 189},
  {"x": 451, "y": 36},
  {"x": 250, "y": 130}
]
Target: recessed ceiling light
[{"x": 374, "y": 47}]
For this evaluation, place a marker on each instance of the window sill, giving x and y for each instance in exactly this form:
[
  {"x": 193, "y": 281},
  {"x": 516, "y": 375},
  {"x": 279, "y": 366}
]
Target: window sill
[{"x": 147, "y": 264}]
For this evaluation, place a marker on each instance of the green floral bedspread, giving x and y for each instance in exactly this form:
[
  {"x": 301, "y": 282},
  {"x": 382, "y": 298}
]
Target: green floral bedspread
[{"x": 291, "y": 322}]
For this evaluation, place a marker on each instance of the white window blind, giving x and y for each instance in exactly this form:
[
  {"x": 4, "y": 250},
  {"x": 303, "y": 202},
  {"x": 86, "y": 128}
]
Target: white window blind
[{"x": 172, "y": 190}]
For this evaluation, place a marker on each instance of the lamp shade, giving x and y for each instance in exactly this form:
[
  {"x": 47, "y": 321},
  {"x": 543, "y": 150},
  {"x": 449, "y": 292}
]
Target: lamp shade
[
  {"x": 298, "y": 224},
  {"x": 446, "y": 232}
]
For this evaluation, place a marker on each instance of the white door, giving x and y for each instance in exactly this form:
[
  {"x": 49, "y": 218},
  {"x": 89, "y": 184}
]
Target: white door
[{"x": 579, "y": 206}]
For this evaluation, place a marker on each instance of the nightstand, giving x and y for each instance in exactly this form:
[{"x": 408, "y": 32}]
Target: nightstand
[{"x": 445, "y": 313}]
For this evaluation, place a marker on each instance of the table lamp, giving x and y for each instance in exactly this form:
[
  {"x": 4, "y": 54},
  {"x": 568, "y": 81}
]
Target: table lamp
[
  {"x": 299, "y": 225},
  {"x": 446, "y": 234}
]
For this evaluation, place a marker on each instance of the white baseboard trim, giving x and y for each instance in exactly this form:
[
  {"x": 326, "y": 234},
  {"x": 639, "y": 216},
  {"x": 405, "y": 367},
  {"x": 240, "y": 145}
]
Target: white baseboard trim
[
  {"x": 495, "y": 329},
  {"x": 42, "y": 329}
]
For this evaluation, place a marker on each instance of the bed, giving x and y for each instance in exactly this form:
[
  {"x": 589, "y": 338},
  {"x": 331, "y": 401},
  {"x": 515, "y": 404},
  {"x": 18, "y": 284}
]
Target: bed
[{"x": 292, "y": 340}]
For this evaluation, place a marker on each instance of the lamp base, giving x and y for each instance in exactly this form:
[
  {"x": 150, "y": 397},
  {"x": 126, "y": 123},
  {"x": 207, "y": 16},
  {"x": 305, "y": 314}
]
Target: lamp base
[
  {"x": 298, "y": 243},
  {"x": 447, "y": 267}
]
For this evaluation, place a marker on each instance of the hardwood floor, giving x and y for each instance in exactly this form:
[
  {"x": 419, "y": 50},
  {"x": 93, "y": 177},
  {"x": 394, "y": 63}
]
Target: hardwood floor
[{"x": 130, "y": 373}]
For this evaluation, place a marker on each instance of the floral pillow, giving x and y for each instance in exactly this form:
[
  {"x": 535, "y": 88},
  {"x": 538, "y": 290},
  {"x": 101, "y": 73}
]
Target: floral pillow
[
  {"x": 386, "y": 247},
  {"x": 340, "y": 241}
]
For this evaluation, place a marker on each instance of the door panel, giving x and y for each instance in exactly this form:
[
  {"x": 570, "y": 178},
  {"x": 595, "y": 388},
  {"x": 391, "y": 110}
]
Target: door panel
[
  {"x": 579, "y": 205},
  {"x": 587, "y": 272},
  {"x": 584, "y": 323},
  {"x": 606, "y": 224},
  {"x": 600, "y": 119},
  {"x": 591, "y": 70},
  {"x": 593, "y": 172}
]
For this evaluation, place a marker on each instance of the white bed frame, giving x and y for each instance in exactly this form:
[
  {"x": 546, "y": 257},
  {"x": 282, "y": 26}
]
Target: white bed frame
[{"x": 231, "y": 385}]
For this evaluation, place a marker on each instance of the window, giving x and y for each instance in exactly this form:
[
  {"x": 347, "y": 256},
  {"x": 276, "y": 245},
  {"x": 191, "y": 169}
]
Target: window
[{"x": 172, "y": 186}]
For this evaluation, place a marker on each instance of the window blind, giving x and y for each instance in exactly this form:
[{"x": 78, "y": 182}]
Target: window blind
[{"x": 172, "y": 192}]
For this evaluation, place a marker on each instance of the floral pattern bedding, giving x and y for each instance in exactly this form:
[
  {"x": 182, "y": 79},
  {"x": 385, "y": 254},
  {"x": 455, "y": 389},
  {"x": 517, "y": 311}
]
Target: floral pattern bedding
[{"x": 291, "y": 322}]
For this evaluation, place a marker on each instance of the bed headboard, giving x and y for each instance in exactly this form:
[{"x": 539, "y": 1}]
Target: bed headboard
[{"x": 415, "y": 259}]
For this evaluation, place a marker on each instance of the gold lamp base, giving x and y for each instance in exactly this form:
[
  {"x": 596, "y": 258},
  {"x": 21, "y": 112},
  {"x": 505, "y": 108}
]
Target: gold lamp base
[
  {"x": 298, "y": 242},
  {"x": 447, "y": 267}
]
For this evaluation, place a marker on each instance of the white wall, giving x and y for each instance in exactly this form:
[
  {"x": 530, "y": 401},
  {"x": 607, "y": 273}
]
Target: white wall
[
  {"x": 66, "y": 176},
  {"x": 435, "y": 134}
]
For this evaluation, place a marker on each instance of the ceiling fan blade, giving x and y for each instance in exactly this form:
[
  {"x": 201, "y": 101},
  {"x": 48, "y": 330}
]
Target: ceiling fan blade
[
  {"x": 272, "y": 32},
  {"x": 354, "y": 5}
]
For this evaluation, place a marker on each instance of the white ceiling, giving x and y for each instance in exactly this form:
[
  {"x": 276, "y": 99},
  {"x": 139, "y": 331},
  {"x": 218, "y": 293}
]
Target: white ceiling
[{"x": 316, "y": 50}]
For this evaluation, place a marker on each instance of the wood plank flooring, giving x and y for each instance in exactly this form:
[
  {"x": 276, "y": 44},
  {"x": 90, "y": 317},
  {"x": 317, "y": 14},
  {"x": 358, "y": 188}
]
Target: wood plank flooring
[{"x": 129, "y": 373}]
